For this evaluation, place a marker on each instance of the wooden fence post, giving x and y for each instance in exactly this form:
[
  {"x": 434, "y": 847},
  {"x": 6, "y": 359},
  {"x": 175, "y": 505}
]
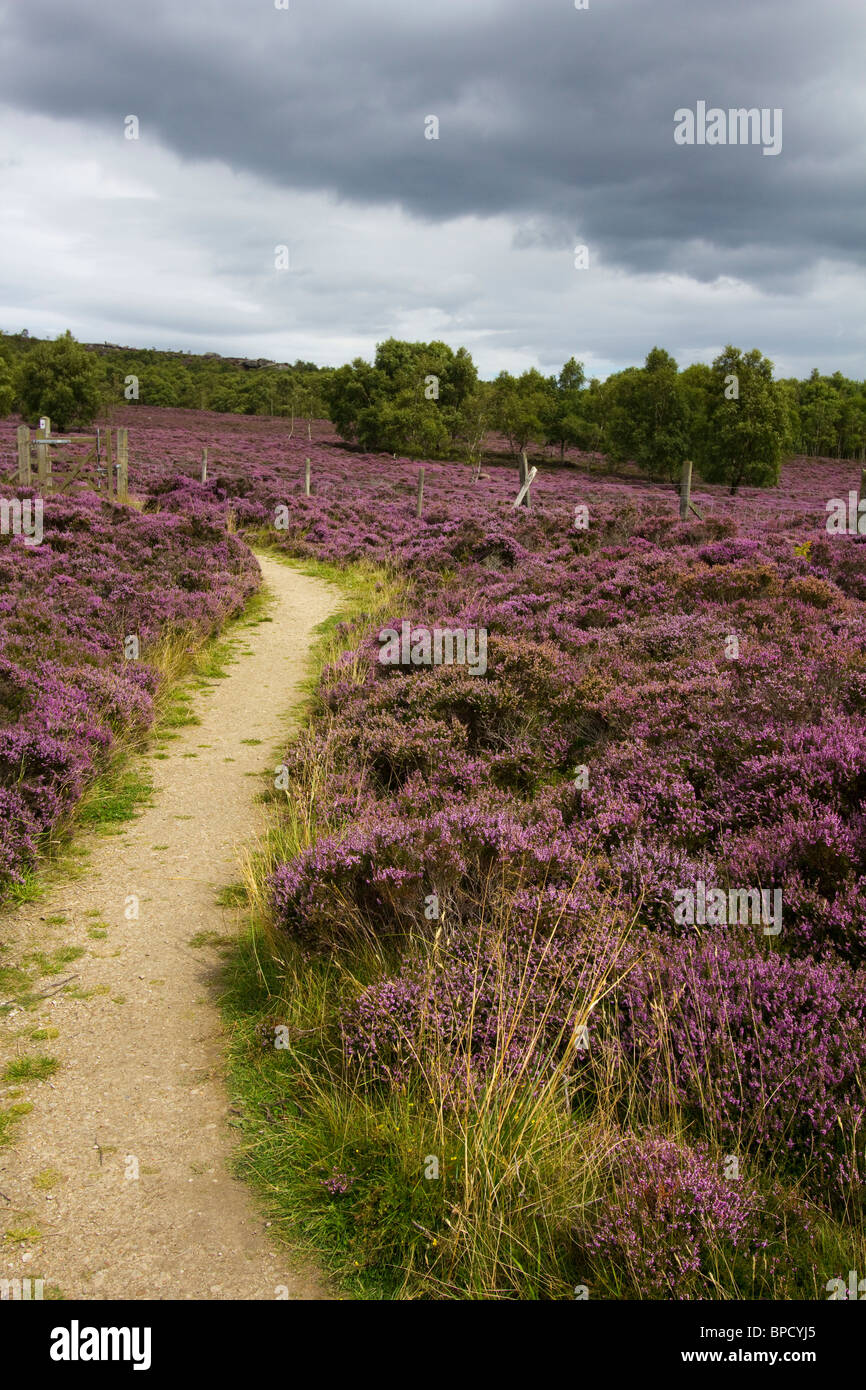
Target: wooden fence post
[
  {"x": 123, "y": 465},
  {"x": 23, "y": 456},
  {"x": 204, "y": 465},
  {"x": 685, "y": 489},
  {"x": 43, "y": 460},
  {"x": 307, "y": 479},
  {"x": 109, "y": 463},
  {"x": 420, "y": 505},
  {"x": 862, "y": 493},
  {"x": 523, "y": 469}
]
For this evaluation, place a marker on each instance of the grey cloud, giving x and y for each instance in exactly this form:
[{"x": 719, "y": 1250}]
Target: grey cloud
[{"x": 561, "y": 118}]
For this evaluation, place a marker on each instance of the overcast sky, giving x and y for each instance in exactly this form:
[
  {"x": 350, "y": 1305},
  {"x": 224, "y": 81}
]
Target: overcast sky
[{"x": 305, "y": 127}]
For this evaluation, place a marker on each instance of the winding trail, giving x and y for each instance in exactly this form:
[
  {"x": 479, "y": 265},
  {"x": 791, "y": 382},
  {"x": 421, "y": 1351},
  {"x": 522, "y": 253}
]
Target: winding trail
[{"x": 141, "y": 1072}]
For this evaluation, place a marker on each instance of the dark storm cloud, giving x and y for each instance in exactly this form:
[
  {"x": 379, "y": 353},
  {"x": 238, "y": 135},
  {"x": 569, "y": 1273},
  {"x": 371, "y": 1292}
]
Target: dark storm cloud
[{"x": 561, "y": 118}]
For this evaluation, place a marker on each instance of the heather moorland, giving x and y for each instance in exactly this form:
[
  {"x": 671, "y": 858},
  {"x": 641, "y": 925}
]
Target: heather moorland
[{"x": 531, "y": 1041}]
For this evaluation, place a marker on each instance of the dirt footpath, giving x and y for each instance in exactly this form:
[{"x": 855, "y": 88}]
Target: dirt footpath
[{"x": 140, "y": 1086}]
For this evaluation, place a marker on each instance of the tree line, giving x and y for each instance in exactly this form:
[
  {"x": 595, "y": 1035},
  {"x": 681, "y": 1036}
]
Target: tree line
[
  {"x": 732, "y": 418},
  {"x": 425, "y": 400},
  {"x": 72, "y": 383}
]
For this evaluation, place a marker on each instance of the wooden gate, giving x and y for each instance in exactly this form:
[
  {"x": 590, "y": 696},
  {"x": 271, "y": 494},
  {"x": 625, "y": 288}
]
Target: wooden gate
[{"x": 42, "y": 444}]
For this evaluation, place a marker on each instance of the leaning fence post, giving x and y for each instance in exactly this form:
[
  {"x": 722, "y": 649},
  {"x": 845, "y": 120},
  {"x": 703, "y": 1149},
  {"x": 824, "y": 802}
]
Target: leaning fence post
[
  {"x": 524, "y": 491},
  {"x": 204, "y": 465},
  {"x": 23, "y": 455},
  {"x": 685, "y": 489},
  {"x": 420, "y": 505},
  {"x": 123, "y": 465},
  {"x": 307, "y": 478}
]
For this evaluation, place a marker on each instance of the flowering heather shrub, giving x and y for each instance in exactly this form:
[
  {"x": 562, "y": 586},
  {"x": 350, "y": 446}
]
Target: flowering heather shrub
[
  {"x": 769, "y": 1051},
  {"x": 492, "y": 1001},
  {"x": 671, "y": 1214},
  {"x": 385, "y": 865},
  {"x": 101, "y": 572}
]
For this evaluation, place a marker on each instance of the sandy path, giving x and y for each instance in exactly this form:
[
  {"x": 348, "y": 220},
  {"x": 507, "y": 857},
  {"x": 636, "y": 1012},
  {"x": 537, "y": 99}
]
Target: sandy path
[{"x": 143, "y": 1077}]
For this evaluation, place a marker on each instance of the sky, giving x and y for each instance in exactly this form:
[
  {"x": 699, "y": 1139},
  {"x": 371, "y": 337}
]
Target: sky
[{"x": 310, "y": 128}]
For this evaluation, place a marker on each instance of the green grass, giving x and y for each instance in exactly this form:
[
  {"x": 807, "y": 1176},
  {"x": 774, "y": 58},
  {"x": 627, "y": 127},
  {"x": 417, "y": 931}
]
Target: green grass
[
  {"x": 30, "y": 1069},
  {"x": 29, "y": 890},
  {"x": 285, "y": 1152},
  {"x": 16, "y": 981},
  {"x": 208, "y": 938},
  {"x": 22, "y": 1235},
  {"x": 115, "y": 798},
  {"x": 479, "y": 1229},
  {"x": 46, "y": 1179},
  {"x": 211, "y": 664},
  {"x": 180, "y": 712},
  {"x": 10, "y": 1116},
  {"x": 13, "y": 979},
  {"x": 53, "y": 962},
  {"x": 233, "y": 895}
]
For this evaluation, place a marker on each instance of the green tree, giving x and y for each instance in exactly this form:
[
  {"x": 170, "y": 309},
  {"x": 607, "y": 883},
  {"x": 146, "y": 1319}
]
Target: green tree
[
  {"x": 648, "y": 420},
  {"x": 820, "y": 415},
  {"x": 354, "y": 391},
  {"x": 59, "y": 379},
  {"x": 414, "y": 399},
  {"x": 852, "y": 428},
  {"x": 747, "y": 423},
  {"x": 596, "y": 407},
  {"x": 697, "y": 384},
  {"x": 566, "y": 424},
  {"x": 521, "y": 406},
  {"x": 789, "y": 388},
  {"x": 7, "y": 388},
  {"x": 471, "y": 432}
]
